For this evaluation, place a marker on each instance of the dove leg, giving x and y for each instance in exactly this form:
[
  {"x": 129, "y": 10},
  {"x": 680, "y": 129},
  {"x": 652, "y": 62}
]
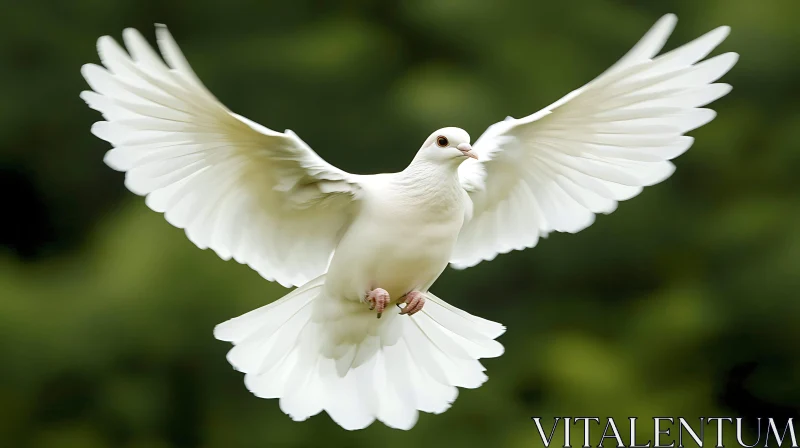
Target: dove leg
[
  {"x": 378, "y": 298},
  {"x": 414, "y": 302}
]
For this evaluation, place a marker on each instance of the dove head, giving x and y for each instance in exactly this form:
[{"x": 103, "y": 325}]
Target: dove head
[{"x": 447, "y": 146}]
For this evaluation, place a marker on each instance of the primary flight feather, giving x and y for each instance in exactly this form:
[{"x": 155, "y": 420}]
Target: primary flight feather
[{"x": 365, "y": 246}]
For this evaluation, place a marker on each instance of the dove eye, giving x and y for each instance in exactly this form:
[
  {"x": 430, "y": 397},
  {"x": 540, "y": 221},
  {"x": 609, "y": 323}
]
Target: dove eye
[{"x": 441, "y": 141}]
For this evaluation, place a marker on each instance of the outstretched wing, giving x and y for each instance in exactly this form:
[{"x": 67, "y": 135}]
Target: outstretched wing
[
  {"x": 261, "y": 197},
  {"x": 602, "y": 143}
]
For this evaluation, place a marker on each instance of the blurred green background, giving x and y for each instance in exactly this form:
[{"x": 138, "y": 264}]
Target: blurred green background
[{"x": 684, "y": 302}]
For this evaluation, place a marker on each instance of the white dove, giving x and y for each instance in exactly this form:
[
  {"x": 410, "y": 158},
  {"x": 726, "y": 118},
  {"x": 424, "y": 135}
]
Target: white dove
[{"x": 356, "y": 245}]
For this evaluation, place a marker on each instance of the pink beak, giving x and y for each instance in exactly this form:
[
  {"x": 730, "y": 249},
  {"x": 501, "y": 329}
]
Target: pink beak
[{"x": 466, "y": 149}]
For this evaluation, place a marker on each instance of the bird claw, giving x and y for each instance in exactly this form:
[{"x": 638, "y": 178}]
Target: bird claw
[
  {"x": 414, "y": 302},
  {"x": 378, "y": 298}
]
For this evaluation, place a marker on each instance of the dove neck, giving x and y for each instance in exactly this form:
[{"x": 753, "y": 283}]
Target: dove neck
[
  {"x": 436, "y": 172},
  {"x": 428, "y": 180}
]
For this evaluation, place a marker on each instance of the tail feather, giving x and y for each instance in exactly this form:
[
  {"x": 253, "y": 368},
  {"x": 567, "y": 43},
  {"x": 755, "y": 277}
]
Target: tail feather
[
  {"x": 398, "y": 407},
  {"x": 272, "y": 315},
  {"x": 463, "y": 323},
  {"x": 300, "y": 398},
  {"x": 317, "y": 353},
  {"x": 460, "y": 372},
  {"x": 431, "y": 395}
]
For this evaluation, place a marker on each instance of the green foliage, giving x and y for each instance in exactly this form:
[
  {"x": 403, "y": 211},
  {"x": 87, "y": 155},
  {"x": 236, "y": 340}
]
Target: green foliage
[{"x": 682, "y": 302}]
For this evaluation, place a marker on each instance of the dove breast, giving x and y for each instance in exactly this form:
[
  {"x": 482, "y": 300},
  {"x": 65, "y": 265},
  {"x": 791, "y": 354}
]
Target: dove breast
[{"x": 401, "y": 239}]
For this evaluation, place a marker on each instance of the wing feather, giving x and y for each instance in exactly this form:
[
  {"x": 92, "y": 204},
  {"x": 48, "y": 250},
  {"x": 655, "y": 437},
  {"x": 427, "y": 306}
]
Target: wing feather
[
  {"x": 261, "y": 197},
  {"x": 600, "y": 144}
]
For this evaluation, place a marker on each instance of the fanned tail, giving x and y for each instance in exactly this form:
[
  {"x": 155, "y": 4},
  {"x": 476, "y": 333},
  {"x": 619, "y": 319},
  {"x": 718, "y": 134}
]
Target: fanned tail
[{"x": 318, "y": 353}]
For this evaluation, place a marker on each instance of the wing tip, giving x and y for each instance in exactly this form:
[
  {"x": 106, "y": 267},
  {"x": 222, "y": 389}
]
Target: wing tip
[
  {"x": 663, "y": 28},
  {"x": 130, "y": 33},
  {"x": 102, "y": 39},
  {"x": 725, "y": 89},
  {"x": 87, "y": 68},
  {"x": 162, "y": 33},
  {"x": 111, "y": 161},
  {"x": 668, "y": 19},
  {"x": 100, "y": 130},
  {"x": 708, "y": 115},
  {"x": 222, "y": 331},
  {"x": 135, "y": 189},
  {"x": 728, "y": 59},
  {"x": 85, "y": 95}
]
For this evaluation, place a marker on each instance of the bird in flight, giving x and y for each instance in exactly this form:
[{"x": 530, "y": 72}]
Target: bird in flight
[{"x": 362, "y": 337}]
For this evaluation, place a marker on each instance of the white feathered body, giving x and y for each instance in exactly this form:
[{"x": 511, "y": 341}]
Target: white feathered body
[
  {"x": 384, "y": 248},
  {"x": 321, "y": 348},
  {"x": 266, "y": 199}
]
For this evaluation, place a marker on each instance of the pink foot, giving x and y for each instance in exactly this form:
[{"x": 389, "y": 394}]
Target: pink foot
[
  {"x": 378, "y": 298},
  {"x": 414, "y": 302}
]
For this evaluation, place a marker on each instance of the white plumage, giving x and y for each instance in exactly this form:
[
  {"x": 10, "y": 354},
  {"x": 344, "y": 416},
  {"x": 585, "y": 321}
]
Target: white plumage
[
  {"x": 602, "y": 143},
  {"x": 264, "y": 198}
]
